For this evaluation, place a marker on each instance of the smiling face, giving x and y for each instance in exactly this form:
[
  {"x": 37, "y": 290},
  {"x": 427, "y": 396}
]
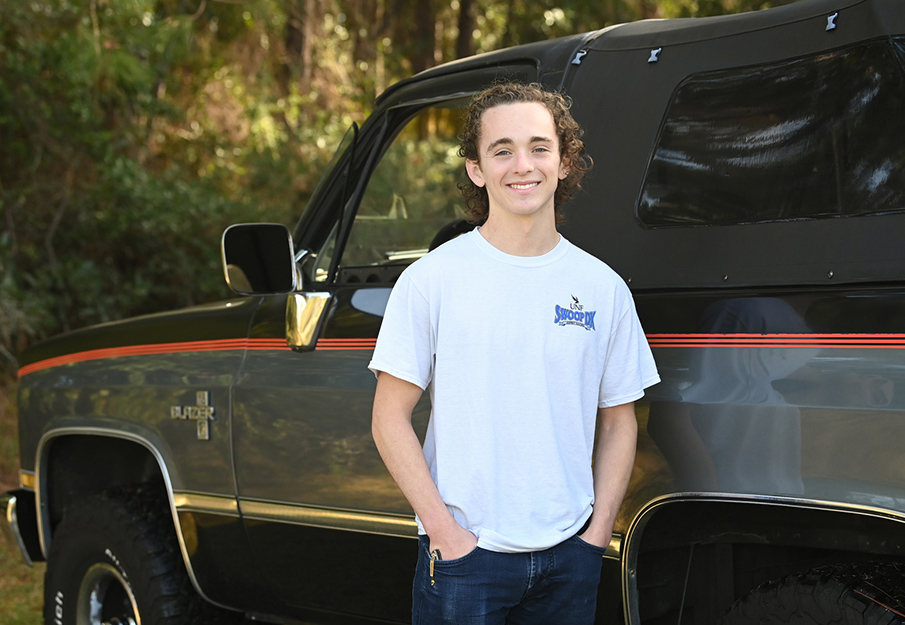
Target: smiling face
[{"x": 519, "y": 161}]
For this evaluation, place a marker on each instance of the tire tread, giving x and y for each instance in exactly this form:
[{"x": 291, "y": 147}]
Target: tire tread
[
  {"x": 136, "y": 519},
  {"x": 871, "y": 593}
]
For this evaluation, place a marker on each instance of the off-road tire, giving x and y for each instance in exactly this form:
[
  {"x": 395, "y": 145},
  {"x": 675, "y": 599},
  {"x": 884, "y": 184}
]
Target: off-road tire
[
  {"x": 853, "y": 594},
  {"x": 122, "y": 545}
]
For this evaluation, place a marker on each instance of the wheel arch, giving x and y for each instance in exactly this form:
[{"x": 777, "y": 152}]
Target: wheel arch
[
  {"x": 713, "y": 548},
  {"x": 67, "y": 469}
]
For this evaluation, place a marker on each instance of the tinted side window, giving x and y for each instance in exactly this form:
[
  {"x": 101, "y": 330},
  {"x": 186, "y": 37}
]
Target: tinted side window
[
  {"x": 410, "y": 197},
  {"x": 816, "y": 137}
]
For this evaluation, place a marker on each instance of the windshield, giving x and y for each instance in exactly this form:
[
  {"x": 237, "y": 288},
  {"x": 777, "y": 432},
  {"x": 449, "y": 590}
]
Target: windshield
[{"x": 330, "y": 187}]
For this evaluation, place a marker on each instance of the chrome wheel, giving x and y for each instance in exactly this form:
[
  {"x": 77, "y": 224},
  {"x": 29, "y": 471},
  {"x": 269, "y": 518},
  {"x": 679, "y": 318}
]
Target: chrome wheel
[{"x": 105, "y": 598}]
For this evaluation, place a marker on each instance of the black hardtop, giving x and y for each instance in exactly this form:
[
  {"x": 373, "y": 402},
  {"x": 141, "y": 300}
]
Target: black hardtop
[
  {"x": 623, "y": 91},
  {"x": 646, "y": 33},
  {"x": 544, "y": 57}
]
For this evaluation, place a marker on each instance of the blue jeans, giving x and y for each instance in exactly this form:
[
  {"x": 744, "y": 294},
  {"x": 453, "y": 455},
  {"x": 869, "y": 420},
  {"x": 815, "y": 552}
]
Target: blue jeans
[{"x": 556, "y": 585}]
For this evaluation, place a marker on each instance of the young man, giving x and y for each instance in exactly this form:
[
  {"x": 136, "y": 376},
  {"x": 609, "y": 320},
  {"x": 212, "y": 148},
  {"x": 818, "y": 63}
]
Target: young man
[{"x": 528, "y": 345}]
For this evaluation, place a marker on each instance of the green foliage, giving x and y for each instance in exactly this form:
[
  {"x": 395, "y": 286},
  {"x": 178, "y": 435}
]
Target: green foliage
[
  {"x": 16, "y": 319},
  {"x": 706, "y": 8},
  {"x": 524, "y": 21},
  {"x": 116, "y": 178}
]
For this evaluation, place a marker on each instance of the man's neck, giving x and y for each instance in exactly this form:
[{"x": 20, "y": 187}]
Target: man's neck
[{"x": 521, "y": 237}]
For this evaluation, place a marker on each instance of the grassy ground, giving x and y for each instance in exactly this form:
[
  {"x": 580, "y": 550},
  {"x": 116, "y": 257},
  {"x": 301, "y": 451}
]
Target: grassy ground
[{"x": 20, "y": 586}]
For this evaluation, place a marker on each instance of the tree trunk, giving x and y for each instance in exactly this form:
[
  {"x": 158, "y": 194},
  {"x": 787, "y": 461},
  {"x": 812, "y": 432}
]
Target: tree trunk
[
  {"x": 298, "y": 39},
  {"x": 506, "y": 39},
  {"x": 465, "y": 40},
  {"x": 423, "y": 37}
]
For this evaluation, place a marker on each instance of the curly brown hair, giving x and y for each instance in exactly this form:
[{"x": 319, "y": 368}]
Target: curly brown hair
[{"x": 571, "y": 147}]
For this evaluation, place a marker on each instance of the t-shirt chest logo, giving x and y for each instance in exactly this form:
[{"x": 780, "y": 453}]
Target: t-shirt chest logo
[{"x": 574, "y": 315}]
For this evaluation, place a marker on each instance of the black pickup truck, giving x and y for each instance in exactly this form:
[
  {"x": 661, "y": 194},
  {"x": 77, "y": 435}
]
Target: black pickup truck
[{"x": 216, "y": 463}]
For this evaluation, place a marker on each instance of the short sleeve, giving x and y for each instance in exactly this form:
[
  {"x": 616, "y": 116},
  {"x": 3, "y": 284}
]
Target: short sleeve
[
  {"x": 405, "y": 344},
  {"x": 629, "y": 366}
]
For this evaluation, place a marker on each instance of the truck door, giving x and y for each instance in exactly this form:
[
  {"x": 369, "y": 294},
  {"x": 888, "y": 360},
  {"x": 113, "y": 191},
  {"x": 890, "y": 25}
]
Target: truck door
[{"x": 325, "y": 518}]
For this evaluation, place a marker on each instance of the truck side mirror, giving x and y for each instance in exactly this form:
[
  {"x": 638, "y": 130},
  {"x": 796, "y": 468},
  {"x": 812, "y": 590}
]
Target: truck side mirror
[{"x": 258, "y": 259}]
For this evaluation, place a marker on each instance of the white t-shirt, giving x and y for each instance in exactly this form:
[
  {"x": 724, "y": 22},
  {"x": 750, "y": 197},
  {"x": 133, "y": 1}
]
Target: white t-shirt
[{"x": 518, "y": 354}]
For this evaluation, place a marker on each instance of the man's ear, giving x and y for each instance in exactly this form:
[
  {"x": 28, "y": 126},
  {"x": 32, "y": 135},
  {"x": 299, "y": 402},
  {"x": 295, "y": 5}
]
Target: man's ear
[
  {"x": 473, "y": 168},
  {"x": 564, "y": 169}
]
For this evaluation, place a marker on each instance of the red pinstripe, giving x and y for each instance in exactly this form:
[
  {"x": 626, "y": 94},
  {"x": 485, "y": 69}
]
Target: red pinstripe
[{"x": 789, "y": 341}]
